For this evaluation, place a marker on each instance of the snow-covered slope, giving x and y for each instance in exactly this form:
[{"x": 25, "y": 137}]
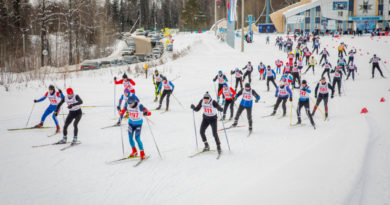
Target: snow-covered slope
[{"x": 344, "y": 161}]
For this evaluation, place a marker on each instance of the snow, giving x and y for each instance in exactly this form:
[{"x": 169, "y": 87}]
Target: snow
[{"x": 344, "y": 161}]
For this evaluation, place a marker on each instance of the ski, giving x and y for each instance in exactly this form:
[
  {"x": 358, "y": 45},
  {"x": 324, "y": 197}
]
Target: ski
[
  {"x": 199, "y": 153},
  {"x": 28, "y": 128},
  {"x": 268, "y": 115},
  {"x": 45, "y": 145},
  {"x": 53, "y": 134},
  {"x": 141, "y": 160},
  {"x": 71, "y": 145},
  {"x": 231, "y": 127},
  {"x": 297, "y": 125},
  {"x": 281, "y": 117},
  {"x": 110, "y": 126},
  {"x": 165, "y": 111},
  {"x": 122, "y": 159}
]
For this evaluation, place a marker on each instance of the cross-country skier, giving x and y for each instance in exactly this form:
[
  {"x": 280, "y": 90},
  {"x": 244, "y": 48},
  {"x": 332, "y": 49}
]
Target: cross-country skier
[
  {"x": 323, "y": 88},
  {"x": 221, "y": 80},
  {"x": 125, "y": 98},
  {"x": 351, "y": 70},
  {"x": 287, "y": 68},
  {"x": 351, "y": 55},
  {"x": 307, "y": 55},
  {"x": 210, "y": 108},
  {"x": 249, "y": 69},
  {"x": 304, "y": 102},
  {"x": 246, "y": 103},
  {"x": 327, "y": 66},
  {"x": 238, "y": 75},
  {"x": 341, "y": 62},
  {"x": 279, "y": 65},
  {"x": 337, "y": 78},
  {"x": 157, "y": 79},
  {"x": 290, "y": 57},
  {"x": 300, "y": 64},
  {"x": 261, "y": 68},
  {"x": 341, "y": 49},
  {"x": 312, "y": 63},
  {"x": 127, "y": 83},
  {"x": 287, "y": 79},
  {"x": 296, "y": 76},
  {"x": 136, "y": 112},
  {"x": 228, "y": 94},
  {"x": 324, "y": 55},
  {"x": 282, "y": 93},
  {"x": 271, "y": 76},
  {"x": 316, "y": 45},
  {"x": 54, "y": 97},
  {"x": 297, "y": 53},
  {"x": 73, "y": 101},
  {"x": 375, "y": 64},
  {"x": 167, "y": 87}
]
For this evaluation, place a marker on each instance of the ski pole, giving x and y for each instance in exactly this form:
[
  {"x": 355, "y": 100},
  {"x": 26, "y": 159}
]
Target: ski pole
[
  {"x": 178, "y": 101},
  {"x": 196, "y": 136},
  {"x": 28, "y": 120},
  {"x": 123, "y": 147},
  {"x": 114, "y": 99},
  {"x": 292, "y": 102},
  {"x": 151, "y": 132},
  {"x": 224, "y": 129},
  {"x": 316, "y": 106}
]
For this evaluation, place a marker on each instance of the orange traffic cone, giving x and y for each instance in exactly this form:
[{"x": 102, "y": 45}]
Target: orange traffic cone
[{"x": 364, "y": 111}]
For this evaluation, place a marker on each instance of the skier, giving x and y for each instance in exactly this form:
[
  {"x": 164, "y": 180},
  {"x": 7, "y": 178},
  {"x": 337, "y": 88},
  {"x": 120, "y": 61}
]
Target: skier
[
  {"x": 287, "y": 68},
  {"x": 341, "y": 49},
  {"x": 316, "y": 45},
  {"x": 261, "y": 69},
  {"x": 267, "y": 40},
  {"x": 54, "y": 98},
  {"x": 167, "y": 88},
  {"x": 73, "y": 101},
  {"x": 249, "y": 69},
  {"x": 307, "y": 55},
  {"x": 351, "y": 69},
  {"x": 337, "y": 77},
  {"x": 210, "y": 108},
  {"x": 287, "y": 79},
  {"x": 246, "y": 103},
  {"x": 324, "y": 87},
  {"x": 125, "y": 98},
  {"x": 326, "y": 67},
  {"x": 375, "y": 64},
  {"x": 312, "y": 63},
  {"x": 127, "y": 83},
  {"x": 296, "y": 76},
  {"x": 324, "y": 55},
  {"x": 297, "y": 53},
  {"x": 228, "y": 95},
  {"x": 341, "y": 62},
  {"x": 290, "y": 57},
  {"x": 271, "y": 76},
  {"x": 238, "y": 75},
  {"x": 136, "y": 112},
  {"x": 304, "y": 102},
  {"x": 282, "y": 93},
  {"x": 221, "y": 80},
  {"x": 157, "y": 79},
  {"x": 351, "y": 54},
  {"x": 300, "y": 64},
  {"x": 279, "y": 65}
]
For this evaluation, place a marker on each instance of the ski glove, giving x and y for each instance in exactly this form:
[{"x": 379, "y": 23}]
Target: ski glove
[
  {"x": 147, "y": 113},
  {"x": 118, "y": 108},
  {"x": 332, "y": 96},
  {"x": 35, "y": 101},
  {"x": 59, "y": 90},
  {"x": 70, "y": 106},
  {"x": 114, "y": 78},
  {"x": 55, "y": 113},
  {"x": 290, "y": 99},
  {"x": 193, "y": 106},
  {"x": 256, "y": 101}
]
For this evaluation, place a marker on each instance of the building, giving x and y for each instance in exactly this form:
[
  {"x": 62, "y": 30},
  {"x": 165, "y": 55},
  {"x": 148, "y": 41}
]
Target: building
[{"x": 331, "y": 15}]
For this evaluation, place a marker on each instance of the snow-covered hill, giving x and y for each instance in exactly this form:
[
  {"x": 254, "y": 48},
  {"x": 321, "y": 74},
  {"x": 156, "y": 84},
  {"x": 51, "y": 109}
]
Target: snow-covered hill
[{"x": 345, "y": 160}]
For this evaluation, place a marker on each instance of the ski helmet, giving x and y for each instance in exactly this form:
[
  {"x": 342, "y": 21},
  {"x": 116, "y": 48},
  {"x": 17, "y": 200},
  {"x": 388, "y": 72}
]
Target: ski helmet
[
  {"x": 225, "y": 85},
  {"x": 156, "y": 71},
  {"x": 124, "y": 75},
  {"x": 164, "y": 78},
  {"x": 69, "y": 91},
  {"x": 247, "y": 85},
  {"x": 207, "y": 96},
  {"x": 304, "y": 82},
  {"x": 131, "y": 100},
  {"x": 51, "y": 87},
  {"x": 236, "y": 69},
  {"x": 374, "y": 55},
  {"x": 220, "y": 72}
]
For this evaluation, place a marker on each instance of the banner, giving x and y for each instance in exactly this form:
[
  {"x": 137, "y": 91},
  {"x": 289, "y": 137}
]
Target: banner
[
  {"x": 232, "y": 7},
  {"x": 331, "y": 24},
  {"x": 230, "y": 31},
  {"x": 366, "y": 7},
  {"x": 296, "y": 19}
]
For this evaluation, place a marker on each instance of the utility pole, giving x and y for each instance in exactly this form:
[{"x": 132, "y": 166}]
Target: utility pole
[
  {"x": 215, "y": 11},
  {"x": 267, "y": 12},
  {"x": 242, "y": 25}
]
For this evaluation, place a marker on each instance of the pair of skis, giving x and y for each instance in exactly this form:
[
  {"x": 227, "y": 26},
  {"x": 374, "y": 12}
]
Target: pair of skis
[
  {"x": 203, "y": 152},
  {"x": 129, "y": 158},
  {"x": 69, "y": 145},
  {"x": 28, "y": 128}
]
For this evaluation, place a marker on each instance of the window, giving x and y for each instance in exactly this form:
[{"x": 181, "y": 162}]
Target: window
[
  {"x": 307, "y": 26},
  {"x": 381, "y": 1},
  {"x": 307, "y": 13},
  {"x": 380, "y": 12},
  {"x": 340, "y": 13}
]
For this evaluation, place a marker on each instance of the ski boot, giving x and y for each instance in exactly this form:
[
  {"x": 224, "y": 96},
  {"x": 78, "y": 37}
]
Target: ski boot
[
  {"x": 39, "y": 125},
  {"x": 284, "y": 114},
  {"x": 299, "y": 121},
  {"x": 273, "y": 113},
  {"x": 219, "y": 149},
  {"x": 62, "y": 141},
  {"x": 58, "y": 129},
  {"x": 234, "y": 124},
  {"x": 118, "y": 123},
  {"x": 159, "y": 107},
  {"x": 206, "y": 147},
  {"x": 134, "y": 153},
  {"x": 142, "y": 154},
  {"x": 74, "y": 140},
  {"x": 223, "y": 118},
  {"x": 155, "y": 99}
]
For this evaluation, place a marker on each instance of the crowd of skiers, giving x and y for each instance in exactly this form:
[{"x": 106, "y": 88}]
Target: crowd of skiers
[{"x": 291, "y": 77}]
